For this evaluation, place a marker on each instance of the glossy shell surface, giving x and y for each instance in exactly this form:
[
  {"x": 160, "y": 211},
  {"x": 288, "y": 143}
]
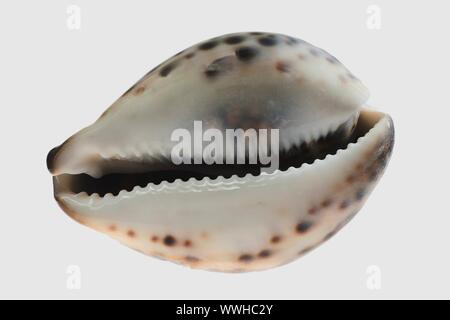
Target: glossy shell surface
[{"x": 237, "y": 223}]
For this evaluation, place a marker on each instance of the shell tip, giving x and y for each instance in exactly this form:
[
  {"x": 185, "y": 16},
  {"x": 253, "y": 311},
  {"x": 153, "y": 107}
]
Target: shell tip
[{"x": 51, "y": 159}]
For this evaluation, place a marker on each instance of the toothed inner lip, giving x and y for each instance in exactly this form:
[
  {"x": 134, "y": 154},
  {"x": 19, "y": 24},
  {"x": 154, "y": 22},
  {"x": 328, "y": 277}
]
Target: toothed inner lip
[{"x": 113, "y": 183}]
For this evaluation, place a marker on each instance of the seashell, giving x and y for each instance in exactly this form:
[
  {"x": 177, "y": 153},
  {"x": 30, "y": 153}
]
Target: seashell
[{"x": 116, "y": 176}]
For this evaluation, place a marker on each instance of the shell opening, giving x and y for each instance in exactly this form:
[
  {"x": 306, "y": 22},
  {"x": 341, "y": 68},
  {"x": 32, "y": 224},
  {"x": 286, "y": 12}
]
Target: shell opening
[{"x": 165, "y": 170}]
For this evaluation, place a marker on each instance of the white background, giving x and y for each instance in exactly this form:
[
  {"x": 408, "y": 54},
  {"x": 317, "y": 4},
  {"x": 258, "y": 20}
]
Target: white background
[{"x": 55, "y": 81}]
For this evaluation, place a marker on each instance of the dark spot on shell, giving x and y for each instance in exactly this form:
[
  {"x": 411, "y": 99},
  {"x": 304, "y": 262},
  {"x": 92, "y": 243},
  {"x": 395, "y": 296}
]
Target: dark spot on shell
[
  {"x": 112, "y": 228},
  {"x": 140, "y": 90},
  {"x": 265, "y": 254},
  {"x": 169, "y": 240},
  {"x": 282, "y": 66},
  {"x": 303, "y": 227},
  {"x": 246, "y": 53},
  {"x": 191, "y": 259},
  {"x": 344, "y": 204},
  {"x": 208, "y": 45},
  {"x": 246, "y": 258},
  {"x": 268, "y": 41},
  {"x": 188, "y": 243},
  {"x": 326, "y": 203},
  {"x": 256, "y": 33},
  {"x": 360, "y": 194},
  {"x": 350, "y": 178},
  {"x": 154, "y": 239},
  {"x": 166, "y": 70},
  {"x": 219, "y": 66},
  {"x": 312, "y": 211},
  {"x": 234, "y": 39},
  {"x": 189, "y": 55},
  {"x": 131, "y": 233},
  {"x": 275, "y": 239}
]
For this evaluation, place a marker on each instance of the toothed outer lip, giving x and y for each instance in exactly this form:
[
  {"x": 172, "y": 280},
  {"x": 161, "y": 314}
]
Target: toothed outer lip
[{"x": 241, "y": 223}]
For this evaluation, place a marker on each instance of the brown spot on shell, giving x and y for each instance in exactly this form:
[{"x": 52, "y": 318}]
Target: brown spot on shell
[
  {"x": 169, "y": 240},
  {"x": 246, "y": 258},
  {"x": 265, "y": 253},
  {"x": 344, "y": 204},
  {"x": 282, "y": 66},
  {"x": 154, "y": 239},
  {"x": 187, "y": 243},
  {"x": 112, "y": 228},
  {"x": 189, "y": 55},
  {"x": 275, "y": 239},
  {"x": 312, "y": 211},
  {"x": 303, "y": 227},
  {"x": 131, "y": 233},
  {"x": 350, "y": 178},
  {"x": 139, "y": 90},
  {"x": 326, "y": 203}
]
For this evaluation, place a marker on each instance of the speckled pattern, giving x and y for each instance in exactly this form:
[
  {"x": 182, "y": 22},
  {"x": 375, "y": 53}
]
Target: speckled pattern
[
  {"x": 244, "y": 48},
  {"x": 236, "y": 224}
]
